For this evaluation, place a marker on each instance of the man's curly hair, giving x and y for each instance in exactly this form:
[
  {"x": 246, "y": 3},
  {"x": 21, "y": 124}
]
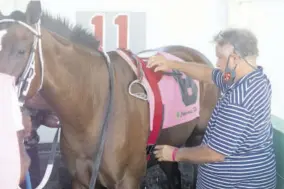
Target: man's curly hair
[{"x": 243, "y": 40}]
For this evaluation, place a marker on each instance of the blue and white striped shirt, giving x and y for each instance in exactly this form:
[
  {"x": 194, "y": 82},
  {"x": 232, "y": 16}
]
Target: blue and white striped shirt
[{"x": 240, "y": 128}]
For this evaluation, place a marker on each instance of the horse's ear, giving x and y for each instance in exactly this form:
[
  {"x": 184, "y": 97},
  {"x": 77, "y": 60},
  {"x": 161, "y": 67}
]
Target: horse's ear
[{"x": 33, "y": 12}]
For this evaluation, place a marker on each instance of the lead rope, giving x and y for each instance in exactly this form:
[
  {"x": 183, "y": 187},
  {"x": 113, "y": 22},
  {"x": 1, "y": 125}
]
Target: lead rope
[{"x": 28, "y": 181}]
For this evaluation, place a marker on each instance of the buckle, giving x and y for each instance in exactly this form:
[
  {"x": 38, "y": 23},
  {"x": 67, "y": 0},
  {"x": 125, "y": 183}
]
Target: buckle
[{"x": 150, "y": 148}]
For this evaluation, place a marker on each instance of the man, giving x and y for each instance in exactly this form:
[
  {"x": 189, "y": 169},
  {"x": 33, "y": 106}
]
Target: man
[
  {"x": 13, "y": 159},
  {"x": 237, "y": 149}
]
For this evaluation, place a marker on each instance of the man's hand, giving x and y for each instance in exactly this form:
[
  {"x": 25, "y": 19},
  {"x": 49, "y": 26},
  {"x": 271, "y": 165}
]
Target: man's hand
[
  {"x": 164, "y": 152},
  {"x": 160, "y": 63}
]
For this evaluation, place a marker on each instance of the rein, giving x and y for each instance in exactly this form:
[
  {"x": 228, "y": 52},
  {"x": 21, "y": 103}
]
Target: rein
[
  {"x": 24, "y": 83},
  {"x": 107, "y": 114}
]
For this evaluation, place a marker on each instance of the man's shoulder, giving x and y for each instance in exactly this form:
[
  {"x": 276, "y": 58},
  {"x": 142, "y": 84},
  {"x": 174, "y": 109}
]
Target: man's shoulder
[
  {"x": 256, "y": 88},
  {"x": 251, "y": 89}
]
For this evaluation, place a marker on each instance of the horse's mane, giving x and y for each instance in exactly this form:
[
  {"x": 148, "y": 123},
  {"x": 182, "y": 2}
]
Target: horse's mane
[
  {"x": 76, "y": 34},
  {"x": 61, "y": 26}
]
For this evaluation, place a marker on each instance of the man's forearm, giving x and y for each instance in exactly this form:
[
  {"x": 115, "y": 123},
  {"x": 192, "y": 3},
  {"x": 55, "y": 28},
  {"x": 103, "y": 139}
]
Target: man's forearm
[
  {"x": 198, "y": 155},
  {"x": 197, "y": 71}
]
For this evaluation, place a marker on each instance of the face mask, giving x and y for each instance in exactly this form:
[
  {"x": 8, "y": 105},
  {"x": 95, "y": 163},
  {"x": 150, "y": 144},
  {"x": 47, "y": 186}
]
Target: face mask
[{"x": 230, "y": 74}]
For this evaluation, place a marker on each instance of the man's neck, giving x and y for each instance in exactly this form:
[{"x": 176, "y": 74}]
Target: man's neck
[{"x": 246, "y": 68}]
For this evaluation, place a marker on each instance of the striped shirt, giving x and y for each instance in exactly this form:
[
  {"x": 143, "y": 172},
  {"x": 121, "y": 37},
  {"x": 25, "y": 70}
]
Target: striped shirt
[{"x": 240, "y": 128}]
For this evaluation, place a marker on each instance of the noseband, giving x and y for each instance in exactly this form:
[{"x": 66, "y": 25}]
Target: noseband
[{"x": 23, "y": 82}]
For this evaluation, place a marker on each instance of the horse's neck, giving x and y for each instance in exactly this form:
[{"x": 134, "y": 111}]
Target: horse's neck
[{"x": 75, "y": 80}]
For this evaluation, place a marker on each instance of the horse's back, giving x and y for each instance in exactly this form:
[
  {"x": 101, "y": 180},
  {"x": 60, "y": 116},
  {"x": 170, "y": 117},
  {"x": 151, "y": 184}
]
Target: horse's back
[{"x": 186, "y": 53}]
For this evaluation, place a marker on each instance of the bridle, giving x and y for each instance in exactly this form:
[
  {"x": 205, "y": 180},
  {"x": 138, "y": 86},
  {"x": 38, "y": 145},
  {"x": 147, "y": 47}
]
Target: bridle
[
  {"x": 23, "y": 85},
  {"x": 23, "y": 82}
]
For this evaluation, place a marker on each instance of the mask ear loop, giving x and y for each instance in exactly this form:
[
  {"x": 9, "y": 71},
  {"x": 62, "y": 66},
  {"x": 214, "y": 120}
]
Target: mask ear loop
[{"x": 252, "y": 66}]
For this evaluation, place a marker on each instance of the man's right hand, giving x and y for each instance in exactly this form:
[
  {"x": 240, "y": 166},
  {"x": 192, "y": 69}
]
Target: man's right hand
[
  {"x": 160, "y": 63},
  {"x": 195, "y": 70}
]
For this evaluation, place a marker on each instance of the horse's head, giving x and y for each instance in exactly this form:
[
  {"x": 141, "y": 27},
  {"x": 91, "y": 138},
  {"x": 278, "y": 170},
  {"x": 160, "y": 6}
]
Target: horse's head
[{"x": 19, "y": 46}]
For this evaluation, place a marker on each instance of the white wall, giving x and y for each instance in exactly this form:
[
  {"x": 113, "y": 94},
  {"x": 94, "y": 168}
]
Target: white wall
[
  {"x": 185, "y": 22},
  {"x": 264, "y": 18},
  {"x": 181, "y": 22}
]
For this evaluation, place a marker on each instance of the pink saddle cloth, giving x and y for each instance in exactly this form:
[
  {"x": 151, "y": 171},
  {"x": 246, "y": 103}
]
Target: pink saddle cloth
[
  {"x": 179, "y": 94},
  {"x": 10, "y": 123}
]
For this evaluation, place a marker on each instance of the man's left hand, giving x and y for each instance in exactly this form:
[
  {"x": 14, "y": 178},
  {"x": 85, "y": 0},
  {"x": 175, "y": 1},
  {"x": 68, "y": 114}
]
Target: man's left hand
[{"x": 164, "y": 152}]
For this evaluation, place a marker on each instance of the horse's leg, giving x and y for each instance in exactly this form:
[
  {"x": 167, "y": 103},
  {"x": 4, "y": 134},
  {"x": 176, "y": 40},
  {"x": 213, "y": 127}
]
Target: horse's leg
[
  {"x": 129, "y": 182},
  {"x": 172, "y": 173},
  {"x": 78, "y": 185},
  {"x": 78, "y": 167},
  {"x": 134, "y": 173},
  {"x": 82, "y": 176},
  {"x": 194, "y": 140}
]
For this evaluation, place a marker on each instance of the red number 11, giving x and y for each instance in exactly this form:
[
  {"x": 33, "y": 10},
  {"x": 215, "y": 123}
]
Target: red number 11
[{"x": 122, "y": 29}]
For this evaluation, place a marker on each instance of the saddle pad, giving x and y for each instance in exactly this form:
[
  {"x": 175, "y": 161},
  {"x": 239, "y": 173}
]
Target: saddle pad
[{"x": 179, "y": 93}]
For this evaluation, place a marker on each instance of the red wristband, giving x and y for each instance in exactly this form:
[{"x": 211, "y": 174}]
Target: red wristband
[{"x": 174, "y": 154}]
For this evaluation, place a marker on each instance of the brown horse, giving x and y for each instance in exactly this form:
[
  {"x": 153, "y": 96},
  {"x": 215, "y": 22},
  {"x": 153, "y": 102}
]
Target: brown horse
[{"x": 73, "y": 76}]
